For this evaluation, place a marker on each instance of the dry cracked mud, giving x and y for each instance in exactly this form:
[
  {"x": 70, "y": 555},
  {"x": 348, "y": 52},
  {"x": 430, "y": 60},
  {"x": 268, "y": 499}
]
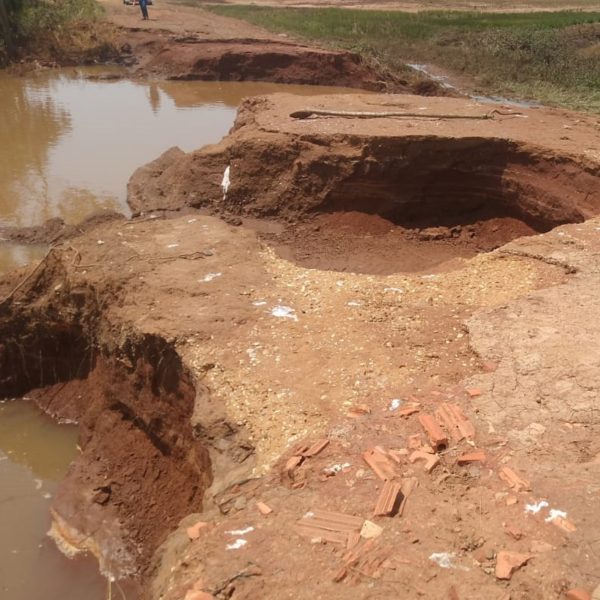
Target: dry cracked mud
[{"x": 350, "y": 263}]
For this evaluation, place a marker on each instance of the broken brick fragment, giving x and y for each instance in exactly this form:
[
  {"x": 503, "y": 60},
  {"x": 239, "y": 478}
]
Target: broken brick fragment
[
  {"x": 316, "y": 448},
  {"x": 389, "y": 500},
  {"x": 472, "y": 457},
  {"x": 578, "y": 594},
  {"x": 292, "y": 463},
  {"x": 455, "y": 421},
  {"x": 195, "y": 530},
  {"x": 264, "y": 509},
  {"x": 431, "y": 460},
  {"x": 564, "y": 524},
  {"x": 406, "y": 411},
  {"x": 436, "y": 436},
  {"x": 474, "y": 392},
  {"x": 508, "y": 562},
  {"x": 380, "y": 463},
  {"x": 513, "y": 480}
]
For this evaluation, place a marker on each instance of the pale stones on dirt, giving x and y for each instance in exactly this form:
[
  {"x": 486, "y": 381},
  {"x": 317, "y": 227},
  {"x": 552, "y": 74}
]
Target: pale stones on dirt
[{"x": 370, "y": 530}]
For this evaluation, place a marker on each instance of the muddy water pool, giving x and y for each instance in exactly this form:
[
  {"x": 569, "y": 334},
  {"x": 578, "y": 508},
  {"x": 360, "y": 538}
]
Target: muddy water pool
[{"x": 69, "y": 142}]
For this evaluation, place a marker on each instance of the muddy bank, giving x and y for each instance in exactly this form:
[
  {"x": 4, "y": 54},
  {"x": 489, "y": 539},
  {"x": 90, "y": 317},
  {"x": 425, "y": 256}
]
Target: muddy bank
[
  {"x": 54, "y": 230},
  {"x": 193, "y": 57}
]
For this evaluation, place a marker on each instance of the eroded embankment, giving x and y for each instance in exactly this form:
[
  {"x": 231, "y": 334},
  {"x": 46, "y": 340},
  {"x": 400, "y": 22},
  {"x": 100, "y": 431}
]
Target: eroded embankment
[
  {"x": 141, "y": 467},
  {"x": 467, "y": 183},
  {"x": 194, "y": 57}
]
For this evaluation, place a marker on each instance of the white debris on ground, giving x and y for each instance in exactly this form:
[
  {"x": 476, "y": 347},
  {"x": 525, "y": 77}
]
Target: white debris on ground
[
  {"x": 225, "y": 182},
  {"x": 210, "y": 276},
  {"x": 284, "y": 312},
  {"x": 443, "y": 559}
]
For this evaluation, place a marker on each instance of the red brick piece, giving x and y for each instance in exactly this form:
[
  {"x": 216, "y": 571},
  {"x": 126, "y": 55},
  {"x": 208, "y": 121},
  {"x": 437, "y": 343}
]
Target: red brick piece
[
  {"x": 263, "y": 508},
  {"x": 471, "y": 457},
  {"x": 431, "y": 460},
  {"x": 513, "y": 480},
  {"x": 389, "y": 500},
  {"x": 578, "y": 594},
  {"x": 315, "y": 448},
  {"x": 474, "y": 392},
  {"x": 380, "y": 463},
  {"x": 508, "y": 562},
  {"x": 436, "y": 436}
]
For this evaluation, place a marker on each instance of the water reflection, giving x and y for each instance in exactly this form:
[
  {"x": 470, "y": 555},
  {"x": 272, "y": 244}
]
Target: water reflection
[{"x": 69, "y": 144}]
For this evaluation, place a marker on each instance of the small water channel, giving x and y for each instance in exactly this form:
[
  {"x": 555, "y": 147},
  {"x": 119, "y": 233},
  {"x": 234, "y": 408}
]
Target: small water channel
[{"x": 69, "y": 142}]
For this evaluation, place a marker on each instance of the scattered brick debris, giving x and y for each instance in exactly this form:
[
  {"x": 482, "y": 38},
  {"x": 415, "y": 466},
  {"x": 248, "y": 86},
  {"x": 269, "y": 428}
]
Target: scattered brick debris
[
  {"x": 380, "y": 463},
  {"x": 389, "y": 500},
  {"x": 263, "y": 508},
  {"x": 329, "y": 526},
  {"x": 431, "y": 460},
  {"x": 508, "y": 562},
  {"x": 398, "y": 455},
  {"x": 195, "y": 530},
  {"x": 455, "y": 421},
  {"x": 316, "y": 448},
  {"x": 578, "y": 594},
  {"x": 410, "y": 409},
  {"x": 511, "y": 500},
  {"x": 564, "y": 524},
  {"x": 513, "y": 480},
  {"x": 358, "y": 411},
  {"x": 471, "y": 457},
  {"x": 474, "y": 392},
  {"x": 512, "y": 530},
  {"x": 436, "y": 436},
  {"x": 414, "y": 441},
  {"x": 292, "y": 464},
  {"x": 366, "y": 560}
]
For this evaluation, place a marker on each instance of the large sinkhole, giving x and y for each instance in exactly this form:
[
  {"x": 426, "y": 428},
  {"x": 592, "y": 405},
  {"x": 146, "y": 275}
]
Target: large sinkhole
[{"x": 413, "y": 206}]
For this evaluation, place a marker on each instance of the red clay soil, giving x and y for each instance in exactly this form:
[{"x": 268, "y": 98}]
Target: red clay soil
[
  {"x": 191, "y": 57},
  {"x": 434, "y": 189}
]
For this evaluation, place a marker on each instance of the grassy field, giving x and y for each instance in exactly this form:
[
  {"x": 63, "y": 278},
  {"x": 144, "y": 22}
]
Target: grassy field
[{"x": 553, "y": 57}]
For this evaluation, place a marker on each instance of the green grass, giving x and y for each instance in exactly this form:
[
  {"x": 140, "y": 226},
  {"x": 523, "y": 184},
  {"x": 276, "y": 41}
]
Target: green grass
[
  {"x": 49, "y": 28},
  {"x": 553, "y": 57}
]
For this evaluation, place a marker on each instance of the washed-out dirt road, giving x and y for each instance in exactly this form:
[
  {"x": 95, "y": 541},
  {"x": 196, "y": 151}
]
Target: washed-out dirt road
[
  {"x": 316, "y": 293},
  {"x": 382, "y": 328}
]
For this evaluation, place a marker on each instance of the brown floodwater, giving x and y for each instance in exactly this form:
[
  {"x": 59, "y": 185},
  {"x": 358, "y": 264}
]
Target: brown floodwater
[
  {"x": 68, "y": 145},
  {"x": 35, "y": 453}
]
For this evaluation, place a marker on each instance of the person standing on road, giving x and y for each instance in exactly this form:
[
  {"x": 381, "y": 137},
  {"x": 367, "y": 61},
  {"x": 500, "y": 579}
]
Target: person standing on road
[{"x": 144, "y": 7}]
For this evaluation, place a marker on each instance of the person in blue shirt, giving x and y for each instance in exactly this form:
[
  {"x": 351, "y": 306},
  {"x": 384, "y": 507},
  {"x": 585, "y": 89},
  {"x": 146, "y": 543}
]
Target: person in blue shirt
[{"x": 144, "y": 7}]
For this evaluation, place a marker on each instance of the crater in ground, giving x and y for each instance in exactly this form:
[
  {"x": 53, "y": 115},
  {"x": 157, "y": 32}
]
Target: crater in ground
[{"x": 364, "y": 243}]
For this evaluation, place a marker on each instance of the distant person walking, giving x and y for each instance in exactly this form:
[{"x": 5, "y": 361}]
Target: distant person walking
[{"x": 144, "y": 7}]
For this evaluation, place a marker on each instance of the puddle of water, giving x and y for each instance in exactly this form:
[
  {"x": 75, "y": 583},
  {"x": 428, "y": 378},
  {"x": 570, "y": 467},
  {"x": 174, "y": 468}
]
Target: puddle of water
[
  {"x": 69, "y": 144},
  {"x": 35, "y": 453}
]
